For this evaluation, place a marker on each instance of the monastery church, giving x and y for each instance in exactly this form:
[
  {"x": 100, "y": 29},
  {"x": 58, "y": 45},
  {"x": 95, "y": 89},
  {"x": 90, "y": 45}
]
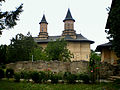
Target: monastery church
[{"x": 78, "y": 45}]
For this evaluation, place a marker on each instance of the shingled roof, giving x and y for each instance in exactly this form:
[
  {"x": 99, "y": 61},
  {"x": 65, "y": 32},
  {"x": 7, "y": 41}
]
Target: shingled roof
[
  {"x": 43, "y": 20},
  {"x": 68, "y": 16},
  {"x": 79, "y": 38},
  {"x": 99, "y": 47}
]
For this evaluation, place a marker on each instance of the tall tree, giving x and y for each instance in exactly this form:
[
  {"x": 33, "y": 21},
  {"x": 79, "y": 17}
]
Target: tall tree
[
  {"x": 20, "y": 48},
  {"x": 3, "y": 53},
  {"x": 113, "y": 24},
  {"x": 8, "y": 18},
  {"x": 57, "y": 50}
]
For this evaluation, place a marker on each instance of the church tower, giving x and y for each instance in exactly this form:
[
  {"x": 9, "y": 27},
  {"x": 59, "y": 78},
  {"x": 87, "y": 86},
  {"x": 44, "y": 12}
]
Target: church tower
[
  {"x": 43, "y": 28},
  {"x": 69, "y": 26}
]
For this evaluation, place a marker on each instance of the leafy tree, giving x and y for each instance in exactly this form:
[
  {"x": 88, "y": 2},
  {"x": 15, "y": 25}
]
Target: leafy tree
[
  {"x": 94, "y": 66},
  {"x": 20, "y": 48},
  {"x": 38, "y": 54},
  {"x": 57, "y": 50},
  {"x": 95, "y": 56},
  {"x": 113, "y": 24},
  {"x": 3, "y": 53},
  {"x": 8, "y": 18}
]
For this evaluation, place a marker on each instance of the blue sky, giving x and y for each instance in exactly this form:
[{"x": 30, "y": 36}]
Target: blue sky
[{"x": 90, "y": 17}]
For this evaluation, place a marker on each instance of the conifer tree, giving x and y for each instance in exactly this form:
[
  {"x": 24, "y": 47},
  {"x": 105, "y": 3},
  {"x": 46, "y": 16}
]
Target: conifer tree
[{"x": 8, "y": 18}]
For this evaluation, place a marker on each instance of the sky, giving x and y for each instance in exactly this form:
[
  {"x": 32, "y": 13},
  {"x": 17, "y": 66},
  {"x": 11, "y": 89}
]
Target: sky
[{"x": 90, "y": 16}]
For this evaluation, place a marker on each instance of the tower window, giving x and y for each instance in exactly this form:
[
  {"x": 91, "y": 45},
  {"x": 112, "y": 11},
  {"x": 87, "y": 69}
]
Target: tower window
[{"x": 42, "y": 29}]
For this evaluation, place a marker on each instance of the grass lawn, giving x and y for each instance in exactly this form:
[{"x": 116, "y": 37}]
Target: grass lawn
[{"x": 11, "y": 85}]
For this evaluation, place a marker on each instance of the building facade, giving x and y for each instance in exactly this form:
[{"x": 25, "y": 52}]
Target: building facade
[
  {"x": 107, "y": 54},
  {"x": 78, "y": 45}
]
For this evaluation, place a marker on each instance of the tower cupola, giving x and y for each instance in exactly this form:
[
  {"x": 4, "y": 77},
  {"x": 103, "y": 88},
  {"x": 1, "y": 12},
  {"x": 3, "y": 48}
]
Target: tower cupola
[
  {"x": 43, "y": 28},
  {"x": 68, "y": 16},
  {"x": 69, "y": 26}
]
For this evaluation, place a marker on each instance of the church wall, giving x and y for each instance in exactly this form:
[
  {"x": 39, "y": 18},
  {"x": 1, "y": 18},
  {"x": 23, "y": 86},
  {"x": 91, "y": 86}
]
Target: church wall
[
  {"x": 43, "y": 45},
  {"x": 81, "y": 50}
]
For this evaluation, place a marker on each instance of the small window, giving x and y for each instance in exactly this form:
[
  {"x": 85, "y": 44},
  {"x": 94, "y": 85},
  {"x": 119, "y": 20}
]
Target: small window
[
  {"x": 86, "y": 56},
  {"x": 42, "y": 29}
]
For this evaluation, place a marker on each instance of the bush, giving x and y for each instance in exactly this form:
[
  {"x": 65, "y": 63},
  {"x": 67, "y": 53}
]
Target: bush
[
  {"x": 2, "y": 66},
  {"x": 54, "y": 78},
  {"x": 71, "y": 78},
  {"x": 85, "y": 78},
  {"x": 36, "y": 77},
  {"x": 17, "y": 77},
  {"x": 44, "y": 76},
  {"x": 117, "y": 81},
  {"x": 1, "y": 73},
  {"x": 66, "y": 74},
  {"x": 26, "y": 75},
  {"x": 9, "y": 73}
]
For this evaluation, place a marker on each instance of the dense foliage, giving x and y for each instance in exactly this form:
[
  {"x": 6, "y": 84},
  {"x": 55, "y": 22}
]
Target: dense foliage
[
  {"x": 2, "y": 73},
  {"x": 94, "y": 66},
  {"x": 24, "y": 48},
  {"x": 3, "y": 54},
  {"x": 8, "y": 18},
  {"x": 57, "y": 50},
  {"x": 113, "y": 24},
  {"x": 20, "y": 48}
]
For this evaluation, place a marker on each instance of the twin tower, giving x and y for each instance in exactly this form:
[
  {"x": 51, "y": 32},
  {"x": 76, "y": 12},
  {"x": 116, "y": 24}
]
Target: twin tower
[{"x": 68, "y": 27}]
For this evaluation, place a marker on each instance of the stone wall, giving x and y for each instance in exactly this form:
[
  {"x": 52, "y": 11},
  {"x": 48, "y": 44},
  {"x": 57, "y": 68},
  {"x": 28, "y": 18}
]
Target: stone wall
[
  {"x": 54, "y": 66},
  {"x": 106, "y": 69}
]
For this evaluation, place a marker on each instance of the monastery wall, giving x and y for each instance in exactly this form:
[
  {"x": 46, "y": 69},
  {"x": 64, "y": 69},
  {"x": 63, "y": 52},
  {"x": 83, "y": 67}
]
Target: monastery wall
[
  {"x": 54, "y": 66},
  {"x": 105, "y": 69},
  {"x": 81, "y": 50}
]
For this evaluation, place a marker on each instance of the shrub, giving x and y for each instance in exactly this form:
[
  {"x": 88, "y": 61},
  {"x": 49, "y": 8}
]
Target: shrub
[
  {"x": 1, "y": 73},
  {"x": 26, "y": 75},
  {"x": 17, "y": 77},
  {"x": 44, "y": 76},
  {"x": 71, "y": 78},
  {"x": 9, "y": 73},
  {"x": 117, "y": 81},
  {"x": 66, "y": 74},
  {"x": 54, "y": 78},
  {"x": 36, "y": 77},
  {"x": 85, "y": 78},
  {"x": 79, "y": 77}
]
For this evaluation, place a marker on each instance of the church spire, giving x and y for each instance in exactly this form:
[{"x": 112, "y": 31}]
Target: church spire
[
  {"x": 43, "y": 20},
  {"x": 68, "y": 16},
  {"x": 43, "y": 28}
]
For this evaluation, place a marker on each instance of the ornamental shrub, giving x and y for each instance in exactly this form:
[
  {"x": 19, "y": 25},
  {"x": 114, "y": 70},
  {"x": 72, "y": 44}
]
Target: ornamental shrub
[
  {"x": 54, "y": 78},
  {"x": 17, "y": 77},
  {"x": 71, "y": 78},
  {"x": 36, "y": 77},
  {"x": 9, "y": 73},
  {"x": 117, "y": 81},
  {"x": 1, "y": 73},
  {"x": 85, "y": 78},
  {"x": 26, "y": 75},
  {"x": 66, "y": 74}
]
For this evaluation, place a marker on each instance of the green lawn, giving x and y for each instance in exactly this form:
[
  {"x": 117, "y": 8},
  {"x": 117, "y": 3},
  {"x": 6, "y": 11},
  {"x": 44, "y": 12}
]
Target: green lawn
[{"x": 10, "y": 85}]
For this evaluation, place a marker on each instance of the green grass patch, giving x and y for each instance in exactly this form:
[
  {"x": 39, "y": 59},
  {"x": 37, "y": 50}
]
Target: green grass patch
[{"x": 11, "y": 85}]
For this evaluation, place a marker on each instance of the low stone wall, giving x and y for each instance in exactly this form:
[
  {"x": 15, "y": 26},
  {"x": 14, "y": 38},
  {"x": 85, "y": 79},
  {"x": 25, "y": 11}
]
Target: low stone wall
[
  {"x": 54, "y": 66},
  {"x": 106, "y": 69}
]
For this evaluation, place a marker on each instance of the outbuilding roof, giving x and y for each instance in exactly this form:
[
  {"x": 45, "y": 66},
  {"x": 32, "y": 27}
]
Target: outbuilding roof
[{"x": 99, "y": 47}]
